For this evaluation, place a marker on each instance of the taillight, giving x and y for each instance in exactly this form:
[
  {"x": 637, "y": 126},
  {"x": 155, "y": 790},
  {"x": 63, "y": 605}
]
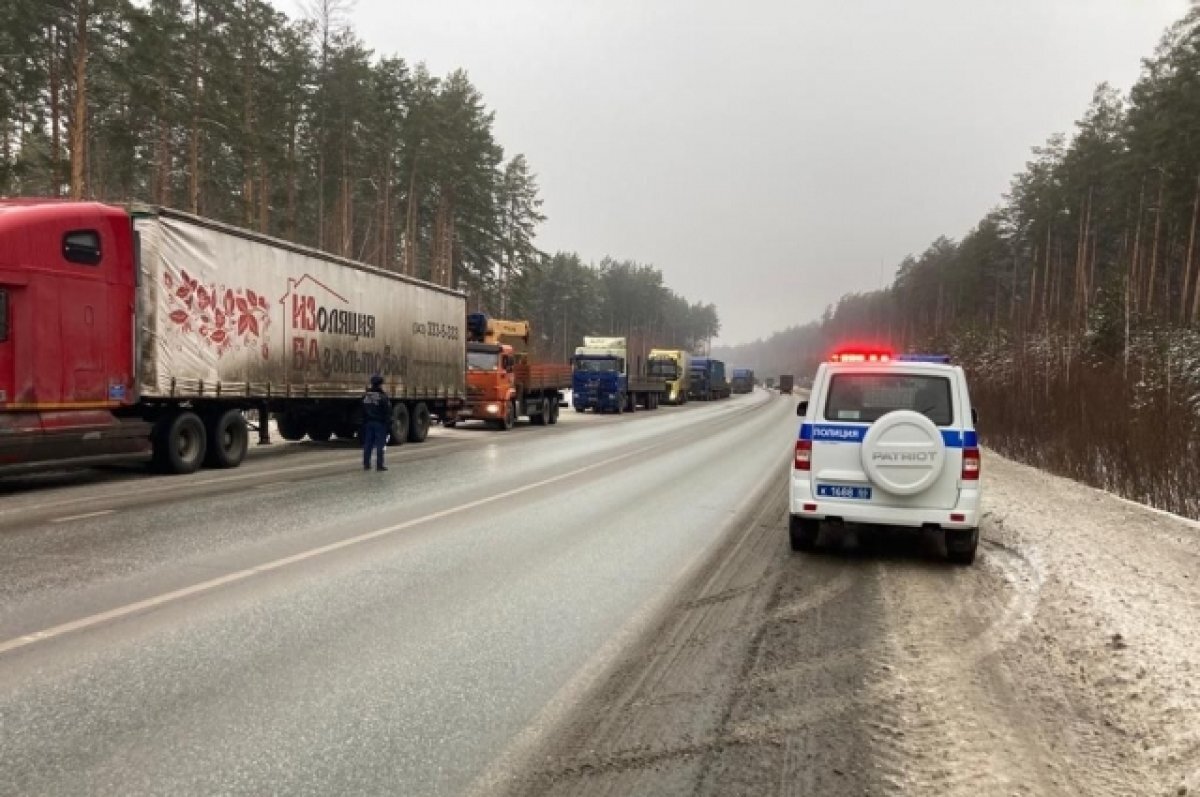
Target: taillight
[
  {"x": 970, "y": 469},
  {"x": 803, "y": 454}
]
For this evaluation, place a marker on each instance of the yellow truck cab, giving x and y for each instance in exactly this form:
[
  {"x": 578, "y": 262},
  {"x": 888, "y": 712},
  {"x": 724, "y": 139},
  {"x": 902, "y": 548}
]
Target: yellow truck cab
[{"x": 671, "y": 365}]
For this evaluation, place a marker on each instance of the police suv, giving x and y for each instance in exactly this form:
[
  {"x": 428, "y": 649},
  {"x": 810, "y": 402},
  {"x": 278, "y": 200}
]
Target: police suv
[{"x": 888, "y": 441}]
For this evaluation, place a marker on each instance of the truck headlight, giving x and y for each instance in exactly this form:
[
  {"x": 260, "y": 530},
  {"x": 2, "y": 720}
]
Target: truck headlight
[{"x": 493, "y": 409}]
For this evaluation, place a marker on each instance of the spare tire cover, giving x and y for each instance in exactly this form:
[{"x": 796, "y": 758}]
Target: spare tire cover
[{"x": 903, "y": 453}]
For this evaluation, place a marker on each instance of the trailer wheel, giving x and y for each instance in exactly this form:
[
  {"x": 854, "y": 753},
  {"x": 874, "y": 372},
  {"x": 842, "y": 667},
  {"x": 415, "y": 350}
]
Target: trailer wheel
[
  {"x": 553, "y": 413},
  {"x": 540, "y": 417},
  {"x": 399, "y": 430},
  {"x": 228, "y": 437},
  {"x": 179, "y": 443},
  {"x": 631, "y": 405},
  {"x": 418, "y": 430},
  {"x": 291, "y": 426}
]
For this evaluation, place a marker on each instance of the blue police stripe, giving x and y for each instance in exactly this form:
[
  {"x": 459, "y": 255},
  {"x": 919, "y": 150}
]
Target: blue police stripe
[{"x": 846, "y": 433}]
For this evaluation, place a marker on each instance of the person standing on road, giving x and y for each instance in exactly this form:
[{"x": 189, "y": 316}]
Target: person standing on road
[{"x": 377, "y": 417}]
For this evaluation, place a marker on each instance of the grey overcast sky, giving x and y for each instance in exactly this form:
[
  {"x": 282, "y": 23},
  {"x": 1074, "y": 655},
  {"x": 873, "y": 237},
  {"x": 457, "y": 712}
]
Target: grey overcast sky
[{"x": 771, "y": 155}]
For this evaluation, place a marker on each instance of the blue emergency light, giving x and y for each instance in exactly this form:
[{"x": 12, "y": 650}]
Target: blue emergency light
[{"x": 925, "y": 358}]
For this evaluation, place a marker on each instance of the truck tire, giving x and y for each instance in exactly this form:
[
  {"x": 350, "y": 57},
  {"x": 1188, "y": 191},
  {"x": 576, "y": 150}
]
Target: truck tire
[
  {"x": 399, "y": 431},
  {"x": 510, "y": 417},
  {"x": 227, "y": 439},
  {"x": 418, "y": 428},
  {"x": 179, "y": 443},
  {"x": 291, "y": 426},
  {"x": 802, "y": 533},
  {"x": 540, "y": 417},
  {"x": 553, "y": 419}
]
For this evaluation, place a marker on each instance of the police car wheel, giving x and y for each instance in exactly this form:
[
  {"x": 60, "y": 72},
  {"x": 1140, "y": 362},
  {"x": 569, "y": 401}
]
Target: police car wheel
[
  {"x": 961, "y": 545},
  {"x": 802, "y": 533}
]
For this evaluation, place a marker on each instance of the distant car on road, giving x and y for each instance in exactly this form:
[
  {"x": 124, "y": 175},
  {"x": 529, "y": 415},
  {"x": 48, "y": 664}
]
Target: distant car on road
[{"x": 888, "y": 441}]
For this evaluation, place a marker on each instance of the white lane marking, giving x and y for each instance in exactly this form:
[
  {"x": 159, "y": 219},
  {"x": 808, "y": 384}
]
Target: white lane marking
[
  {"x": 85, "y": 515},
  {"x": 241, "y": 575}
]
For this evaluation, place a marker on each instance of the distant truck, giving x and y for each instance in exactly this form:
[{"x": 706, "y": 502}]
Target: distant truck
[
  {"x": 769, "y": 382},
  {"x": 147, "y": 331},
  {"x": 786, "y": 382},
  {"x": 503, "y": 384},
  {"x": 672, "y": 366},
  {"x": 604, "y": 382},
  {"x": 743, "y": 380},
  {"x": 707, "y": 379}
]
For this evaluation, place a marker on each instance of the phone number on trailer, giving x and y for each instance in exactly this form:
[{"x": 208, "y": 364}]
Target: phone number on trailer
[{"x": 435, "y": 329}]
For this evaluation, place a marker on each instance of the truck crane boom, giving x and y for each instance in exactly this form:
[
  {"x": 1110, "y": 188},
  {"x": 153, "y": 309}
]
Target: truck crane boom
[{"x": 482, "y": 329}]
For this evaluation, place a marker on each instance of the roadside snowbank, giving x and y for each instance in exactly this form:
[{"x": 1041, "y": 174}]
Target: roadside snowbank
[{"x": 1121, "y": 601}]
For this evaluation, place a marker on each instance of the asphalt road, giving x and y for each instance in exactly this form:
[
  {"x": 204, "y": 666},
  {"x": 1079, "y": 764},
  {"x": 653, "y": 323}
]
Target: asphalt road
[{"x": 299, "y": 626}]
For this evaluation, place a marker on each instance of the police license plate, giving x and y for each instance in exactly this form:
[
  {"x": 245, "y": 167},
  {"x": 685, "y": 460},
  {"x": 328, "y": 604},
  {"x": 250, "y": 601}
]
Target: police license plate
[{"x": 843, "y": 491}]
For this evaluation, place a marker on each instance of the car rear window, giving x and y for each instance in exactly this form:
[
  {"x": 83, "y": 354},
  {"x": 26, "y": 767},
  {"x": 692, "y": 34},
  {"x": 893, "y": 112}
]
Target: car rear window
[{"x": 868, "y": 397}]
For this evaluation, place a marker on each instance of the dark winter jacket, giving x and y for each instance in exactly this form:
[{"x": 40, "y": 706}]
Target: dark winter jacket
[{"x": 377, "y": 406}]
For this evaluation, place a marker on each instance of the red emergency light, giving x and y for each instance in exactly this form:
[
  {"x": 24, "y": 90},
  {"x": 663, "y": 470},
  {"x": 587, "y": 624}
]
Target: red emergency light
[{"x": 861, "y": 356}]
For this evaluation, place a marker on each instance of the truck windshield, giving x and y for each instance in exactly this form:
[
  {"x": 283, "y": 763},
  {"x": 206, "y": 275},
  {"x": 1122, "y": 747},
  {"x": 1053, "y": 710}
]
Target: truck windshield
[
  {"x": 868, "y": 397},
  {"x": 598, "y": 364},
  {"x": 482, "y": 360},
  {"x": 666, "y": 369}
]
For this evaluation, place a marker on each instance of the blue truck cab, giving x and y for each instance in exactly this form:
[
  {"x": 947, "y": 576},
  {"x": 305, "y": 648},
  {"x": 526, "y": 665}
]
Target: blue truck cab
[
  {"x": 599, "y": 379},
  {"x": 707, "y": 379}
]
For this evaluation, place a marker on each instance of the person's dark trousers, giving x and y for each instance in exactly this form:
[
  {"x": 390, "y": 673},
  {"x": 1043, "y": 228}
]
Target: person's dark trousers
[{"x": 374, "y": 439}]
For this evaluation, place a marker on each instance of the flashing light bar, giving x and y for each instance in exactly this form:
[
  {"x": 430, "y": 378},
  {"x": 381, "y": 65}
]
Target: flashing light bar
[
  {"x": 861, "y": 357},
  {"x": 925, "y": 358}
]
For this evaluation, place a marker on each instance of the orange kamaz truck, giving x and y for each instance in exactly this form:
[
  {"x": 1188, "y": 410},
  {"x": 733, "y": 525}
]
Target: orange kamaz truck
[{"x": 504, "y": 382}]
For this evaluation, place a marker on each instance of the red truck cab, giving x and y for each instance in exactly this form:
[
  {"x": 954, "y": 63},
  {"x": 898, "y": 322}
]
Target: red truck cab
[{"x": 67, "y": 332}]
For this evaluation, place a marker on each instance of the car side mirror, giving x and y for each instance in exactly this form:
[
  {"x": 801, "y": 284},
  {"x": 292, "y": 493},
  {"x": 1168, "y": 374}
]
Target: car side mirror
[
  {"x": 802, "y": 409},
  {"x": 974, "y": 417}
]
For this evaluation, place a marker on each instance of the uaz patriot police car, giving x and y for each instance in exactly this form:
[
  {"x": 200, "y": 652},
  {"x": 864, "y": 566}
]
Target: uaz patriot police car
[{"x": 887, "y": 441}]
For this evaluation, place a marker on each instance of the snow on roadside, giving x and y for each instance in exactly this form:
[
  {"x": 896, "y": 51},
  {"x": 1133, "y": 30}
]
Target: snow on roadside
[{"x": 1121, "y": 600}]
